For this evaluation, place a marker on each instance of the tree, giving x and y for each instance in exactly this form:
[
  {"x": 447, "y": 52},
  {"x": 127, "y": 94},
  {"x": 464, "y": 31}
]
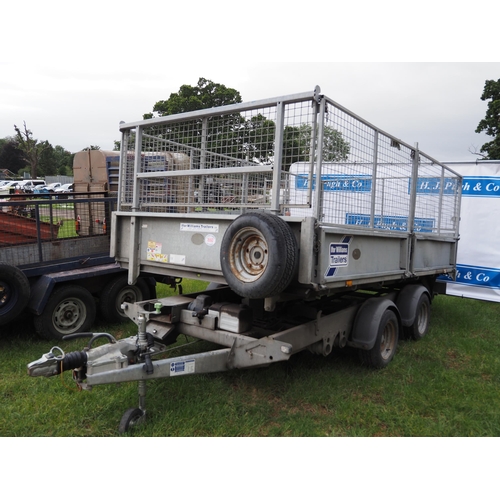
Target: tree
[
  {"x": 232, "y": 134},
  {"x": 32, "y": 150},
  {"x": 491, "y": 122},
  {"x": 55, "y": 161},
  {"x": 63, "y": 160},
  {"x": 206, "y": 94},
  {"x": 297, "y": 145},
  {"x": 223, "y": 133},
  {"x": 11, "y": 157}
]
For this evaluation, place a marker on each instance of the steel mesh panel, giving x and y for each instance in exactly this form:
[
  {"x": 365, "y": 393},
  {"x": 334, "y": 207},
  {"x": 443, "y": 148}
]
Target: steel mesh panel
[{"x": 225, "y": 161}]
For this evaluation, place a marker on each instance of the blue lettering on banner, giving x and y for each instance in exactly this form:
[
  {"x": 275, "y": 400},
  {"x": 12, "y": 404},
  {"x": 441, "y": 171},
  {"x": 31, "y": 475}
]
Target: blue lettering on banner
[
  {"x": 391, "y": 222},
  {"x": 484, "y": 277},
  {"x": 433, "y": 185},
  {"x": 334, "y": 182},
  {"x": 339, "y": 256},
  {"x": 485, "y": 187}
]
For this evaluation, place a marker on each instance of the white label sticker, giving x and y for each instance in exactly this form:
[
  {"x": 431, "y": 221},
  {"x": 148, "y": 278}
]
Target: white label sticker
[
  {"x": 210, "y": 240},
  {"x": 177, "y": 259},
  {"x": 199, "y": 228}
]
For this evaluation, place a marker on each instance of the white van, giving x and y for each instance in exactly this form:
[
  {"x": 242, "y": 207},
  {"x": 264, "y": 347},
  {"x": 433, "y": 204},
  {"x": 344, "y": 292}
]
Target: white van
[{"x": 30, "y": 184}]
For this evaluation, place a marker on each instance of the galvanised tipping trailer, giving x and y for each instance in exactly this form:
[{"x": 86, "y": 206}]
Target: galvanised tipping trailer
[{"x": 316, "y": 229}]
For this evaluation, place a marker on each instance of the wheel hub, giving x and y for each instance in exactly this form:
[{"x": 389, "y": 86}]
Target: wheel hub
[
  {"x": 68, "y": 317},
  {"x": 249, "y": 255}
]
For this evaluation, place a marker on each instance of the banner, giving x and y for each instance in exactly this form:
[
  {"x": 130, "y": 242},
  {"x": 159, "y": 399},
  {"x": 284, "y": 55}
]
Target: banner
[{"x": 478, "y": 259}]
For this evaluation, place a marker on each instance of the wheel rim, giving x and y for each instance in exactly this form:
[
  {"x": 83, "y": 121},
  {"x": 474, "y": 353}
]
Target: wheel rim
[
  {"x": 389, "y": 340},
  {"x": 135, "y": 419},
  {"x": 130, "y": 295},
  {"x": 248, "y": 255},
  {"x": 5, "y": 294},
  {"x": 69, "y": 315}
]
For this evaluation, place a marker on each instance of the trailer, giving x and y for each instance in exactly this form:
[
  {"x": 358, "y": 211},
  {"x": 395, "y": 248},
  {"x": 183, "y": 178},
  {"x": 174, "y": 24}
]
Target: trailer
[
  {"x": 316, "y": 229},
  {"x": 55, "y": 258}
]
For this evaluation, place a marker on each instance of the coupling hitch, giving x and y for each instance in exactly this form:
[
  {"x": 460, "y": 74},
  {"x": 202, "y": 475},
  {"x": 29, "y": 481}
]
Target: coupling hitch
[{"x": 55, "y": 362}]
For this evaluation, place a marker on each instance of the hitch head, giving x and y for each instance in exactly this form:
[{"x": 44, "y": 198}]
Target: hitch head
[{"x": 48, "y": 365}]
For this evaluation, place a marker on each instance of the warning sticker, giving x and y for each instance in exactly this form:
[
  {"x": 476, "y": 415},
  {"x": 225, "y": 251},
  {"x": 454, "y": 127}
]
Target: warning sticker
[
  {"x": 153, "y": 252},
  {"x": 182, "y": 367}
]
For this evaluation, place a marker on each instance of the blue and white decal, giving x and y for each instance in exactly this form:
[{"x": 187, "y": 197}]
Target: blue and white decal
[
  {"x": 433, "y": 185},
  {"x": 182, "y": 367},
  {"x": 391, "y": 222},
  {"x": 336, "y": 182},
  {"x": 484, "y": 277},
  {"x": 339, "y": 256},
  {"x": 484, "y": 187}
]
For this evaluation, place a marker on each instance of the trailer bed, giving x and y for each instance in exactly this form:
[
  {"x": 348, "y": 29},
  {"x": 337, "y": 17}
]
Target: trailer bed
[{"x": 383, "y": 210}]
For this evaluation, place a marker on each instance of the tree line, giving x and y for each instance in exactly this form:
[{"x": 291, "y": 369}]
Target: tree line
[{"x": 23, "y": 153}]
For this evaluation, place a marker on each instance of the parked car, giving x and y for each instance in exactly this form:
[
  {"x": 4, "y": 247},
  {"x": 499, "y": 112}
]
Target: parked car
[
  {"x": 29, "y": 185},
  {"x": 64, "y": 188},
  {"x": 43, "y": 190},
  {"x": 8, "y": 187},
  {"x": 53, "y": 186},
  {"x": 63, "y": 191}
]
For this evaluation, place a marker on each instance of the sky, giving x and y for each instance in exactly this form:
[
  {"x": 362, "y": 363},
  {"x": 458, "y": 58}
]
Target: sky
[
  {"x": 436, "y": 105},
  {"x": 73, "y": 74}
]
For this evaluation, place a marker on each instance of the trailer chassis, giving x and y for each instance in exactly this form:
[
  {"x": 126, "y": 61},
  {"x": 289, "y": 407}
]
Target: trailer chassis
[{"x": 370, "y": 323}]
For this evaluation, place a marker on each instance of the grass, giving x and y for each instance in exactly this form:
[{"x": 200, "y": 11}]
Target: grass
[{"x": 447, "y": 384}]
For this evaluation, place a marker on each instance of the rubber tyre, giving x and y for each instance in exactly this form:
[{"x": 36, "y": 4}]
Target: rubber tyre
[
  {"x": 130, "y": 418},
  {"x": 70, "y": 309},
  {"x": 259, "y": 255},
  {"x": 381, "y": 354},
  {"x": 118, "y": 291},
  {"x": 14, "y": 292},
  {"x": 422, "y": 321}
]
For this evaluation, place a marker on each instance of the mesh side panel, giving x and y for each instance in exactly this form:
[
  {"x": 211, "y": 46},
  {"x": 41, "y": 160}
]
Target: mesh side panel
[{"x": 228, "y": 163}]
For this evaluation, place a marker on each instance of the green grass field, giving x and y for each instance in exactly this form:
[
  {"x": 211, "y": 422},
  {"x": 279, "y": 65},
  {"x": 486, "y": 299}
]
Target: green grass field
[{"x": 444, "y": 385}]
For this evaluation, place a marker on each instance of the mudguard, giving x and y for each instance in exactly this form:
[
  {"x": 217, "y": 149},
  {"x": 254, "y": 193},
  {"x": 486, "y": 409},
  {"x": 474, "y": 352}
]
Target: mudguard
[
  {"x": 407, "y": 302},
  {"x": 367, "y": 322}
]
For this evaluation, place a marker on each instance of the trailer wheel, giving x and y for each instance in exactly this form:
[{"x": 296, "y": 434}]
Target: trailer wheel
[
  {"x": 70, "y": 309},
  {"x": 418, "y": 330},
  {"x": 381, "y": 354},
  {"x": 414, "y": 305},
  {"x": 14, "y": 292},
  {"x": 131, "y": 418},
  {"x": 259, "y": 255},
  {"x": 118, "y": 291}
]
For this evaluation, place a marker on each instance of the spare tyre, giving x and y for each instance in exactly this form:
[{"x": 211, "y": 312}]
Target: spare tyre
[
  {"x": 259, "y": 255},
  {"x": 14, "y": 292}
]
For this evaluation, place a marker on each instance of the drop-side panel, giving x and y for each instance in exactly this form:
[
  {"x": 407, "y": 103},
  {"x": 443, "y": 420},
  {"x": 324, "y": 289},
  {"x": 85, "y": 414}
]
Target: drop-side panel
[
  {"x": 360, "y": 258},
  {"x": 175, "y": 245},
  {"x": 430, "y": 255}
]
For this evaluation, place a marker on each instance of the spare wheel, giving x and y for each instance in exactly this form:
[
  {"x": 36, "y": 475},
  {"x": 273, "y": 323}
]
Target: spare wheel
[{"x": 259, "y": 255}]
